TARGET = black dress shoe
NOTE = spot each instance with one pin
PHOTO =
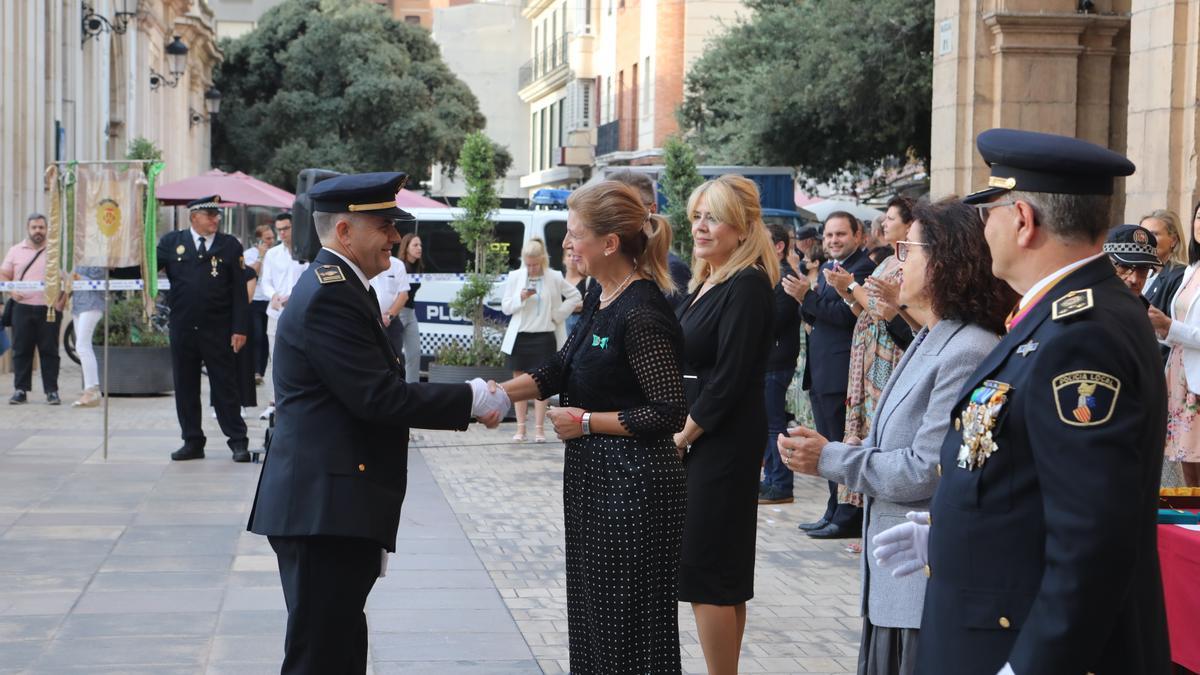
(835, 531)
(53, 399)
(18, 398)
(188, 452)
(241, 455)
(809, 527)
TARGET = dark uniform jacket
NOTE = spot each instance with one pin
(1045, 556)
(338, 462)
(208, 293)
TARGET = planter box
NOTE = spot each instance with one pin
(459, 374)
(137, 370)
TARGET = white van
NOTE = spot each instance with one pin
(446, 260)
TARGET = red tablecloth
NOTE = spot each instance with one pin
(1179, 555)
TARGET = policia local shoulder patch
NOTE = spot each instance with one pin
(1085, 398)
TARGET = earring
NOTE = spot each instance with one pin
(606, 253)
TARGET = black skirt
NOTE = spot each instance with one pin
(531, 350)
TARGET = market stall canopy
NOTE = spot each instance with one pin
(233, 188)
(407, 199)
(821, 209)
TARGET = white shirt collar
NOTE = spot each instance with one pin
(1062, 271)
(357, 272)
(208, 239)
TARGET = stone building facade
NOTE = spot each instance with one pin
(73, 94)
(1124, 74)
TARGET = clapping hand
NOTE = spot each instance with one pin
(886, 297)
(568, 422)
(797, 287)
(839, 278)
(1160, 321)
(904, 546)
(488, 403)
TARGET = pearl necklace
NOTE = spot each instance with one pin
(620, 287)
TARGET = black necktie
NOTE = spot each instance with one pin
(203, 250)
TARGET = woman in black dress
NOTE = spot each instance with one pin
(727, 325)
(619, 376)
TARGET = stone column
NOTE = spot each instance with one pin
(1164, 109)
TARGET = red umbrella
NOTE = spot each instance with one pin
(407, 199)
(233, 188)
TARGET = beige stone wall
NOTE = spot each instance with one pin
(1164, 110)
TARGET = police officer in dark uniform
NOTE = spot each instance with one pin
(332, 485)
(208, 322)
(1041, 540)
(1133, 251)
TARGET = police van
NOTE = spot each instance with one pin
(446, 264)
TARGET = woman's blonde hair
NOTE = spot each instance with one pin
(610, 207)
(733, 200)
(536, 248)
(1171, 220)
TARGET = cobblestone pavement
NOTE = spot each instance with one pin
(135, 564)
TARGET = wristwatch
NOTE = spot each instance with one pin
(853, 285)
(587, 424)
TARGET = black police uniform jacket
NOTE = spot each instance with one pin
(208, 293)
(338, 461)
(1046, 556)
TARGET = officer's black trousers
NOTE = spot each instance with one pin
(326, 581)
(190, 348)
(32, 331)
(258, 320)
(829, 413)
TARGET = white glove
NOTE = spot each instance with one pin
(905, 546)
(484, 402)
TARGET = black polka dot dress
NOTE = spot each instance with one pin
(624, 497)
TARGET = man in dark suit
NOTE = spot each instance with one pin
(1042, 551)
(208, 324)
(332, 485)
(827, 365)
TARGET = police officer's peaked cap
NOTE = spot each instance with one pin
(370, 193)
(1035, 162)
(209, 203)
(1132, 246)
(806, 232)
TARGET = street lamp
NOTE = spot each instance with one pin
(212, 103)
(176, 62)
(94, 24)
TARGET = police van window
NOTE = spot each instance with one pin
(445, 254)
(510, 237)
(555, 231)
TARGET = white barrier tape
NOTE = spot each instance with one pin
(84, 285)
(421, 278)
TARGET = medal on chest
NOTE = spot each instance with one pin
(214, 267)
(978, 420)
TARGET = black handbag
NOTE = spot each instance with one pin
(6, 319)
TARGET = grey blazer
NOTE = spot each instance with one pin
(896, 467)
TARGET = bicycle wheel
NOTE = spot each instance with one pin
(69, 342)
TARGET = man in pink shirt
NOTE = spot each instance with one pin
(31, 330)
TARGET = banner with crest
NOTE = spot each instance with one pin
(108, 215)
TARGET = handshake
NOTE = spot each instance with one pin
(489, 402)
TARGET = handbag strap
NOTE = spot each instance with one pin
(31, 261)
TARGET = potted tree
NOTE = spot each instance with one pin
(457, 361)
(139, 353)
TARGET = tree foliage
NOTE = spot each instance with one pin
(821, 85)
(340, 85)
(477, 232)
(680, 177)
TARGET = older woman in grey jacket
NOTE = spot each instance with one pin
(948, 287)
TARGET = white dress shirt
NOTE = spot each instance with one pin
(250, 256)
(390, 283)
(196, 237)
(279, 274)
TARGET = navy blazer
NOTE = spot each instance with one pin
(827, 366)
(338, 462)
(208, 292)
(1045, 556)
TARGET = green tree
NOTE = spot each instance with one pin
(340, 85)
(477, 232)
(821, 85)
(680, 177)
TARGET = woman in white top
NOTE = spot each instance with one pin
(539, 300)
(391, 290)
(1181, 331)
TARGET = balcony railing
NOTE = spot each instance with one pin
(608, 138)
(549, 58)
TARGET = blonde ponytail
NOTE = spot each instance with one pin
(612, 207)
(654, 263)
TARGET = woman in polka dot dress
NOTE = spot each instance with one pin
(620, 380)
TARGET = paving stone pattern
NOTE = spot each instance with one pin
(135, 564)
